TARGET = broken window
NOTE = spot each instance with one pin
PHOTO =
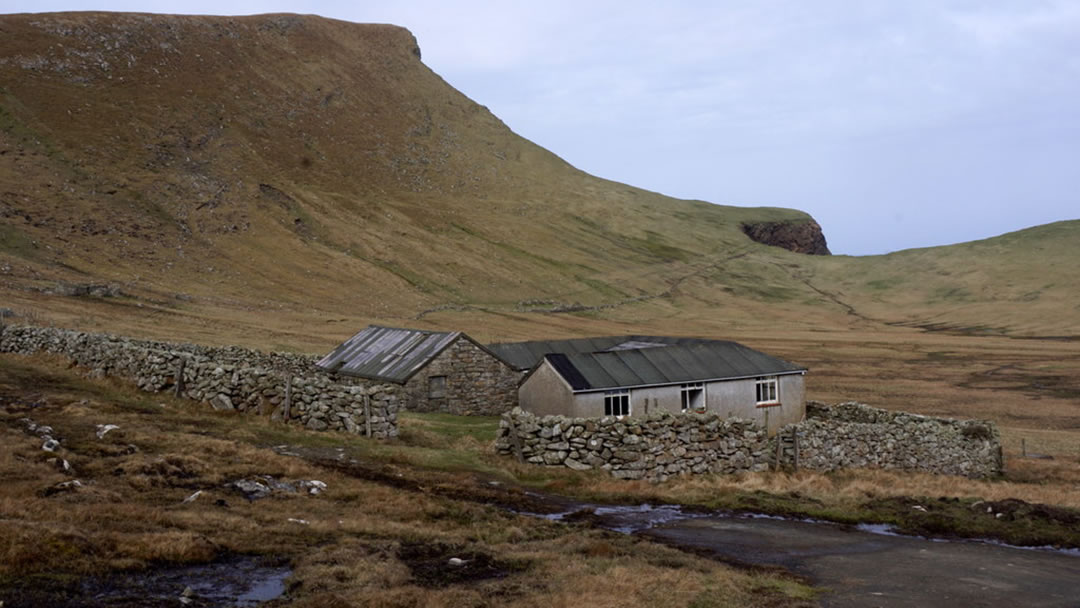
(693, 397)
(617, 403)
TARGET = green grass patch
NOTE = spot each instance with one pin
(884, 284)
(950, 294)
(451, 427)
(16, 242)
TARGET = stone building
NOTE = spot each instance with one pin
(642, 375)
(439, 371)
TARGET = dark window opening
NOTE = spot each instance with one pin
(436, 386)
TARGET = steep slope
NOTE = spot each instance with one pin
(277, 180)
(304, 160)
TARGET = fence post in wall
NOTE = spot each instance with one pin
(288, 400)
(515, 441)
(179, 386)
(795, 445)
(367, 412)
(779, 451)
(1023, 447)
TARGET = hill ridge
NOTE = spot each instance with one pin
(222, 169)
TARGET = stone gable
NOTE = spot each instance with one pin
(475, 382)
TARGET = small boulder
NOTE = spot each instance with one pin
(222, 403)
(103, 429)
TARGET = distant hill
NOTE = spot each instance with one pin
(280, 179)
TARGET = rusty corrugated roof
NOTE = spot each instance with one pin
(388, 354)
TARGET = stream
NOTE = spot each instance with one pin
(864, 566)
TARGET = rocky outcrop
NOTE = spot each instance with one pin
(800, 237)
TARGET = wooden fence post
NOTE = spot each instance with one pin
(515, 441)
(288, 400)
(795, 439)
(179, 386)
(779, 451)
(367, 412)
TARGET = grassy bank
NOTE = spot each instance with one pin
(382, 533)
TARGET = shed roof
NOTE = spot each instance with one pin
(699, 361)
(389, 354)
(524, 355)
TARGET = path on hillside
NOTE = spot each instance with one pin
(867, 569)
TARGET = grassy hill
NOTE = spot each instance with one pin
(280, 180)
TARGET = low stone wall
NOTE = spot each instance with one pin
(226, 378)
(654, 447)
(848, 435)
(853, 435)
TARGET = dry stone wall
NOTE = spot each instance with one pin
(853, 435)
(232, 378)
(653, 447)
(848, 435)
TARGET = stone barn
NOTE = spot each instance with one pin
(439, 371)
(639, 375)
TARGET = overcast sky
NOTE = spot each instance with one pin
(896, 124)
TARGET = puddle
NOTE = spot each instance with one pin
(238, 582)
(625, 519)
(638, 518)
(436, 565)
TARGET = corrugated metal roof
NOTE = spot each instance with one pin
(388, 354)
(524, 355)
(697, 361)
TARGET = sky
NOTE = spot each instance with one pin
(895, 124)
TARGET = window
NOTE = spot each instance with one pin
(617, 403)
(767, 393)
(693, 397)
(436, 386)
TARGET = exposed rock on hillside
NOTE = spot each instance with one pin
(800, 237)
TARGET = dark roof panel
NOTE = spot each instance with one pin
(388, 354)
(691, 361)
(569, 373)
(524, 355)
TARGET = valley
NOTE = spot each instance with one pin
(280, 181)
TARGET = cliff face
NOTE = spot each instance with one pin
(800, 237)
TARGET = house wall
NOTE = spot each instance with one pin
(545, 393)
(738, 399)
(477, 383)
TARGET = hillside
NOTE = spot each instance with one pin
(279, 180)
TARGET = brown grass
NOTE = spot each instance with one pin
(129, 515)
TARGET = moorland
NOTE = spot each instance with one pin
(280, 181)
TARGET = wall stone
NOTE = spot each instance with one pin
(651, 447)
(853, 435)
(230, 379)
(477, 383)
(848, 435)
